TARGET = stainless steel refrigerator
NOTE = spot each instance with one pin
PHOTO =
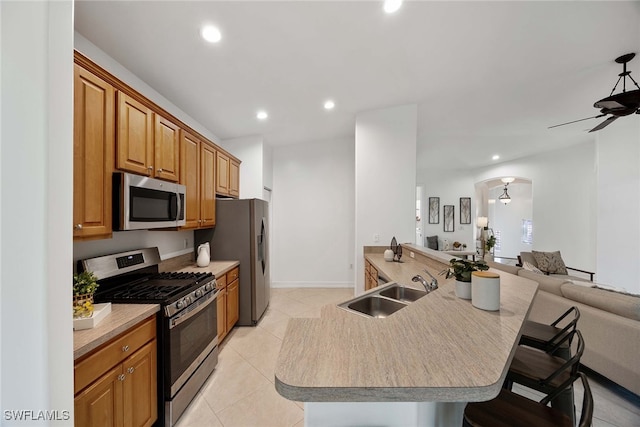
(241, 234)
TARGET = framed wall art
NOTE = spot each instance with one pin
(465, 210)
(449, 217)
(434, 210)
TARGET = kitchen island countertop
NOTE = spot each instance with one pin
(439, 348)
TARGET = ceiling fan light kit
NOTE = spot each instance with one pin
(618, 105)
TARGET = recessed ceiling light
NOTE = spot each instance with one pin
(329, 104)
(391, 6)
(211, 34)
(262, 115)
(495, 157)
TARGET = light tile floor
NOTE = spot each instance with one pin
(240, 392)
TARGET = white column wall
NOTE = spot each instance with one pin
(385, 179)
(618, 227)
(312, 222)
(36, 152)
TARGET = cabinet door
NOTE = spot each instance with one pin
(207, 185)
(190, 177)
(232, 304)
(222, 314)
(140, 407)
(234, 178)
(135, 136)
(222, 173)
(100, 405)
(167, 149)
(93, 146)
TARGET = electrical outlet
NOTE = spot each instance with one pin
(376, 237)
(412, 255)
(186, 243)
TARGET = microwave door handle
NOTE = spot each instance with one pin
(178, 206)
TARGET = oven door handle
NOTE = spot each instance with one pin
(175, 322)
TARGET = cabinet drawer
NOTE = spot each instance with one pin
(96, 364)
(232, 275)
(221, 282)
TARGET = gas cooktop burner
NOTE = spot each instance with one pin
(157, 288)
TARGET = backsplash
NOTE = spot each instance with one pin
(171, 244)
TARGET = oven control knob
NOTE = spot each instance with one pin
(180, 304)
(198, 293)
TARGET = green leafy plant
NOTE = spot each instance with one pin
(491, 242)
(462, 268)
(84, 283)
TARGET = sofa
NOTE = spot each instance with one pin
(609, 322)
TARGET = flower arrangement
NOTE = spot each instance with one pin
(84, 286)
(462, 268)
(491, 242)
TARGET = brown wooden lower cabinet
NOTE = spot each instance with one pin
(228, 302)
(370, 276)
(124, 394)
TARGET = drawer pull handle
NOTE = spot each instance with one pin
(131, 369)
(121, 377)
(125, 348)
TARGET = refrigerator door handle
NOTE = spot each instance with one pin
(261, 245)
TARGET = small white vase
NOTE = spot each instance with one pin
(388, 255)
(463, 289)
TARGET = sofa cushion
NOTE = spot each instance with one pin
(432, 242)
(511, 269)
(528, 257)
(528, 266)
(550, 262)
(546, 283)
(614, 302)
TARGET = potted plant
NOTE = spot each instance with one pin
(84, 286)
(461, 269)
(491, 242)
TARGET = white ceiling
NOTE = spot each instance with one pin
(489, 77)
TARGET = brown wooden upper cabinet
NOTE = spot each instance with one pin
(197, 172)
(93, 147)
(227, 175)
(147, 143)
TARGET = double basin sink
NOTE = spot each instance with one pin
(383, 301)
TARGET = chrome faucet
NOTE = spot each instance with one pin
(427, 286)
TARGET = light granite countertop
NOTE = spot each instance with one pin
(439, 348)
(121, 318)
(218, 268)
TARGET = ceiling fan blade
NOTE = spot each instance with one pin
(610, 105)
(576, 121)
(604, 124)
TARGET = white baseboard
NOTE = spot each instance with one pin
(312, 284)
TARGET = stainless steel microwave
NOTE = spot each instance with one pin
(141, 203)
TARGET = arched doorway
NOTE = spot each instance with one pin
(510, 223)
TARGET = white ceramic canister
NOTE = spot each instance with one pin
(485, 290)
(388, 255)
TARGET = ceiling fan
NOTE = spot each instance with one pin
(618, 105)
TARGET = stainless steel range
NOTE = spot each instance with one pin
(187, 326)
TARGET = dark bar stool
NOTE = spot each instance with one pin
(512, 410)
(545, 337)
(547, 372)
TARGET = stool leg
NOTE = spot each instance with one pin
(564, 403)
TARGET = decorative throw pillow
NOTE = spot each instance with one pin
(432, 242)
(550, 262)
(528, 266)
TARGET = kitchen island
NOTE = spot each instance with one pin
(437, 349)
